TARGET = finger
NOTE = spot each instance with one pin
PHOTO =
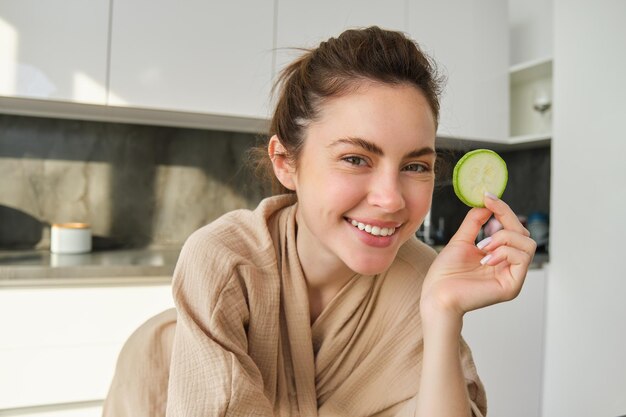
(508, 238)
(517, 260)
(474, 220)
(504, 214)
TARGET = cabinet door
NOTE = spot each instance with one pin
(60, 345)
(54, 49)
(469, 41)
(303, 23)
(196, 56)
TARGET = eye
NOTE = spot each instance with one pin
(415, 167)
(355, 160)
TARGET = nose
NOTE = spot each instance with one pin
(386, 192)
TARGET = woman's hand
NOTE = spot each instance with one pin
(466, 276)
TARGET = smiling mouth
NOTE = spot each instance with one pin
(373, 230)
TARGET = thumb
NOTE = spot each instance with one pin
(474, 220)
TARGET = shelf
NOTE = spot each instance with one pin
(531, 141)
(530, 138)
(511, 143)
(523, 66)
(532, 70)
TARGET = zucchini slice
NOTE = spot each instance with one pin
(477, 172)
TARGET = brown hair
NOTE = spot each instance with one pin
(336, 67)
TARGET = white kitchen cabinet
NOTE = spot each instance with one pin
(302, 23)
(469, 41)
(210, 57)
(531, 101)
(212, 64)
(59, 345)
(531, 30)
(507, 342)
(55, 50)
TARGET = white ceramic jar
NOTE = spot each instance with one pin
(68, 238)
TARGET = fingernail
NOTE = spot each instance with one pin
(486, 259)
(484, 242)
(491, 196)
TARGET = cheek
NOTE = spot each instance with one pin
(334, 187)
(419, 199)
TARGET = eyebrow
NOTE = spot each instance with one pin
(375, 149)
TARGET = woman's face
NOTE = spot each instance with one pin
(365, 177)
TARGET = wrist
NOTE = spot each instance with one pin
(440, 319)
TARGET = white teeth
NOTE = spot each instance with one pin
(374, 230)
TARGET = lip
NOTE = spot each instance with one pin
(371, 240)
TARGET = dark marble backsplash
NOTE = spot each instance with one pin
(152, 186)
(136, 185)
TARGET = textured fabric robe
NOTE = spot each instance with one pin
(244, 344)
(139, 385)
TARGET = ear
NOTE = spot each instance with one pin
(283, 169)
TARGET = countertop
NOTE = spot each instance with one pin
(30, 268)
(42, 268)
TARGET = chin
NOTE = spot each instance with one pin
(370, 266)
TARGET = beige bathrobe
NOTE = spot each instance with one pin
(244, 344)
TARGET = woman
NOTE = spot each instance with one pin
(321, 301)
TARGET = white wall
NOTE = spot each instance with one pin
(530, 30)
(585, 373)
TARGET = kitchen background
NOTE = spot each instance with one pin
(151, 186)
(139, 126)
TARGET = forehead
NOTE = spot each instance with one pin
(385, 114)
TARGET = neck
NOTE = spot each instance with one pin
(325, 275)
(323, 287)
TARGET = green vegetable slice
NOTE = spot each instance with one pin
(477, 172)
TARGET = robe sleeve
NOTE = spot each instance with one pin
(211, 372)
(475, 387)
(139, 386)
